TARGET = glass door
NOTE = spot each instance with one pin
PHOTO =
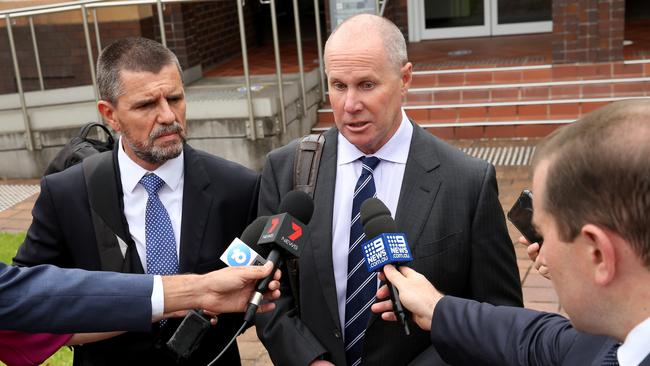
(521, 16)
(438, 19)
(455, 18)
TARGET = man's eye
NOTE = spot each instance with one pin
(144, 106)
(338, 86)
(367, 85)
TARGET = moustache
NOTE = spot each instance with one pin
(161, 130)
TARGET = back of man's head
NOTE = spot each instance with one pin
(599, 173)
(132, 54)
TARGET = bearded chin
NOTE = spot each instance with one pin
(156, 154)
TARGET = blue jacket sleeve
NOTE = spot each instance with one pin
(466, 332)
(49, 299)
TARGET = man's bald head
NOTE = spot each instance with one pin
(370, 30)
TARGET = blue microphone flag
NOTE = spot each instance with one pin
(386, 249)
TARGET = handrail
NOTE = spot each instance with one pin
(29, 139)
(278, 66)
(84, 5)
(247, 77)
(319, 42)
(301, 68)
(48, 6)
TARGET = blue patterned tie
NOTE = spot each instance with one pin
(159, 234)
(610, 358)
(362, 286)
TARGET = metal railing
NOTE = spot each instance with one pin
(92, 5)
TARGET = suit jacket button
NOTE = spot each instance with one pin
(337, 333)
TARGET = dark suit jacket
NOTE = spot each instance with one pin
(219, 199)
(48, 299)
(467, 332)
(448, 208)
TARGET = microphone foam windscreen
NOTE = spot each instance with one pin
(379, 225)
(252, 234)
(299, 205)
(371, 208)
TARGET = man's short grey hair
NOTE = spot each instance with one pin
(392, 37)
(133, 54)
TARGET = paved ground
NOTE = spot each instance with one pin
(538, 292)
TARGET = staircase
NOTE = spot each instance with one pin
(515, 101)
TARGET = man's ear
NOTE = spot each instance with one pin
(406, 74)
(107, 110)
(601, 249)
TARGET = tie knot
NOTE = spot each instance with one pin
(152, 183)
(369, 163)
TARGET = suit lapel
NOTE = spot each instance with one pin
(196, 208)
(419, 189)
(321, 223)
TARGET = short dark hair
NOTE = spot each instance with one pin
(599, 173)
(132, 54)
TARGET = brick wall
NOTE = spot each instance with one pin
(63, 56)
(588, 30)
(205, 33)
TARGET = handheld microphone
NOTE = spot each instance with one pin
(189, 333)
(245, 251)
(285, 233)
(386, 245)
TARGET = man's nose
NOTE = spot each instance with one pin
(352, 102)
(166, 114)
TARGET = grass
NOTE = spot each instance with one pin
(9, 243)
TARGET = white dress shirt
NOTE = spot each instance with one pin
(388, 178)
(636, 346)
(135, 203)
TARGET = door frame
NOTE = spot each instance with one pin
(490, 26)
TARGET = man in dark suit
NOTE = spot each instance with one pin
(153, 205)
(592, 197)
(46, 298)
(445, 201)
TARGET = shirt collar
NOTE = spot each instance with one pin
(635, 348)
(396, 150)
(130, 172)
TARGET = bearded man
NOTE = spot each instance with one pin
(153, 205)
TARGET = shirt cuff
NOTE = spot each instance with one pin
(157, 299)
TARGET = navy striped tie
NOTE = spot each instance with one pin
(362, 286)
(610, 358)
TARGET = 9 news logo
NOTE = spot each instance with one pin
(238, 255)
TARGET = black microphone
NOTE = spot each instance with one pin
(384, 245)
(284, 234)
(189, 333)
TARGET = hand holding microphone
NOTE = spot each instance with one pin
(284, 235)
(384, 246)
(416, 293)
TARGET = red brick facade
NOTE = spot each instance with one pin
(203, 33)
(588, 30)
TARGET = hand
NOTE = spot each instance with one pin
(533, 253)
(416, 293)
(224, 291)
(229, 289)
